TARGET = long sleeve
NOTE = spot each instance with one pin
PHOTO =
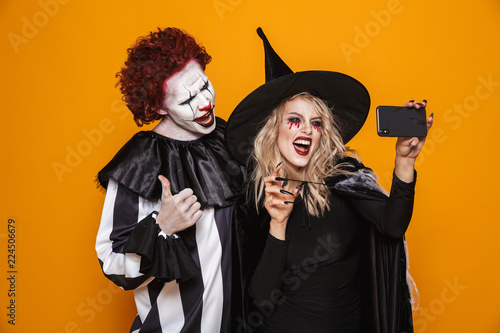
(120, 216)
(392, 215)
(129, 245)
(267, 279)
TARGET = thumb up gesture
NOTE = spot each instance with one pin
(177, 212)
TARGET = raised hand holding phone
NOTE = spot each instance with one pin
(408, 147)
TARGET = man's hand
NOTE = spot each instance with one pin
(177, 212)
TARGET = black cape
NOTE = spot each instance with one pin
(385, 295)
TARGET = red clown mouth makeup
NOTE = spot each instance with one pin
(302, 145)
(208, 118)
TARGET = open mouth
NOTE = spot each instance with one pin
(207, 119)
(302, 145)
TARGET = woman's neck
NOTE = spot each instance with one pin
(294, 174)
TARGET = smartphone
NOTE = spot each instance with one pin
(400, 121)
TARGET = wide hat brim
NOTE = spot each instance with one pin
(347, 97)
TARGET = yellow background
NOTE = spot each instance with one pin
(62, 120)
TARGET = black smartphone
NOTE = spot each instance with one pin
(400, 121)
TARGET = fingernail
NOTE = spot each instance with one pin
(425, 101)
(299, 187)
(412, 101)
(285, 192)
(288, 202)
(432, 115)
(279, 164)
(280, 179)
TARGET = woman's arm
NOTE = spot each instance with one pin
(392, 216)
(408, 149)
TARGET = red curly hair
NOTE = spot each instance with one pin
(151, 61)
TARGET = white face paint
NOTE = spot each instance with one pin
(188, 107)
(299, 133)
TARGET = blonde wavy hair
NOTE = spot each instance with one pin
(323, 162)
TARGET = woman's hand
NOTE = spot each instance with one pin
(408, 149)
(278, 203)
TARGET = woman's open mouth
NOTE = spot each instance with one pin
(302, 145)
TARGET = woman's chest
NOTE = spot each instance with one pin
(331, 237)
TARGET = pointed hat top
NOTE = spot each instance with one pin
(275, 67)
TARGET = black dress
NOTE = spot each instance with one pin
(312, 281)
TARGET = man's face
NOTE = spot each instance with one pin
(189, 103)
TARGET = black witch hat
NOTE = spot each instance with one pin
(348, 99)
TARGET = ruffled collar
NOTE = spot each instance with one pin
(204, 165)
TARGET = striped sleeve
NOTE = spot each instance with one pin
(121, 212)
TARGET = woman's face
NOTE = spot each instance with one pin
(299, 133)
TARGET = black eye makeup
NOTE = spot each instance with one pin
(205, 86)
(293, 121)
(187, 101)
(317, 125)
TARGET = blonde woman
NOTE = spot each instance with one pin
(320, 245)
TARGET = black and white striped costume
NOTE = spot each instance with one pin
(181, 283)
